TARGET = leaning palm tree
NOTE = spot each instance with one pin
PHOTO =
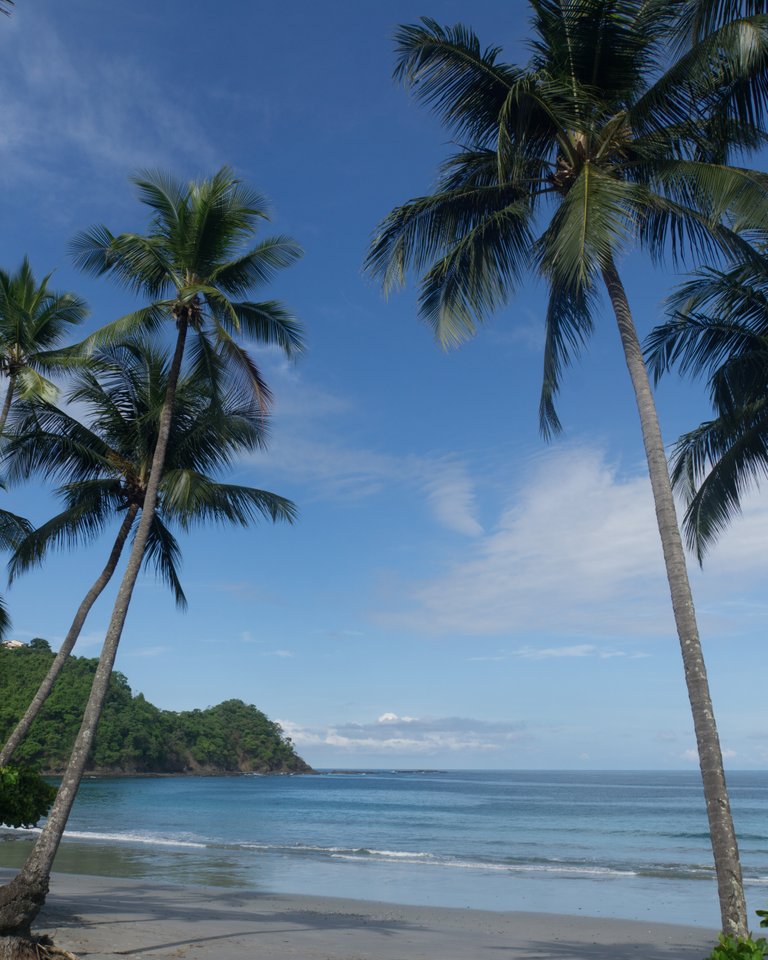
(602, 140)
(33, 321)
(104, 464)
(193, 265)
(719, 329)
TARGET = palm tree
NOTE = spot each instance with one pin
(105, 468)
(33, 321)
(719, 329)
(602, 139)
(191, 264)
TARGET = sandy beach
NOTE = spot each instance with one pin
(98, 918)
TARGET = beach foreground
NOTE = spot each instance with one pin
(98, 917)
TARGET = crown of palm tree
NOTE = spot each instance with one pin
(196, 266)
(103, 461)
(33, 321)
(719, 329)
(565, 161)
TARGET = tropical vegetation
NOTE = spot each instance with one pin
(103, 465)
(626, 129)
(133, 735)
(34, 320)
(719, 330)
(619, 131)
(194, 265)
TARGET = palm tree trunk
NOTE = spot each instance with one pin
(7, 402)
(724, 845)
(22, 899)
(22, 728)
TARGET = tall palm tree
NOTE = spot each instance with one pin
(191, 265)
(603, 139)
(719, 329)
(33, 321)
(105, 466)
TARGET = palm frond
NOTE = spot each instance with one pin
(594, 44)
(716, 316)
(164, 195)
(447, 69)
(89, 509)
(568, 326)
(726, 70)
(146, 320)
(243, 368)
(257, 267)
(31, 385)
(714, 466)
(13, 529)
(588, 229)
(690, 21)
(191, 498)
(163, 553)
(413, 235)
(268, 322)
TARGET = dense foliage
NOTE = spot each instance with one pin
(24, 796)
(134, 736)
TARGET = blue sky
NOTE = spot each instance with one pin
(457, 593)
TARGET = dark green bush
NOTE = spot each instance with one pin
(24, 796)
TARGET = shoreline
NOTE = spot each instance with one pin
(100, 918)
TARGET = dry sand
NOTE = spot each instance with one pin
(100, 917)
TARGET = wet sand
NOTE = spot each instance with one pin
(99, 918)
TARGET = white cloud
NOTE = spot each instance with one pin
(451, 495)
(391, 734)
(555, 653)
(110, 113)
(333, 469)
(155, 651)
(576, 553)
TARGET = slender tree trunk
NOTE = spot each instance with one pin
(7, 402)
(724, 845)
(22, 899)
(22, 728)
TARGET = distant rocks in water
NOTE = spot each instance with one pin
(134, 736)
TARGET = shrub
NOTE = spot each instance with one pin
(24, 796)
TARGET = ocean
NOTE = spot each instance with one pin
(608, 844)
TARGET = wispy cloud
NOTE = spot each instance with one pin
(393, 734)
(451, 495)
(306, 446)
(112, 114)
(156, 651)
(556, 653)
(575, 553)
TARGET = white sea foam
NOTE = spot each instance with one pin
(140, 838)
(429, 860)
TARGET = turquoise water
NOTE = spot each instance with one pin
(631, 845)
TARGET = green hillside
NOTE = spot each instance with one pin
(134, 736)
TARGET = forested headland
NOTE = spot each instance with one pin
(133, 735)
